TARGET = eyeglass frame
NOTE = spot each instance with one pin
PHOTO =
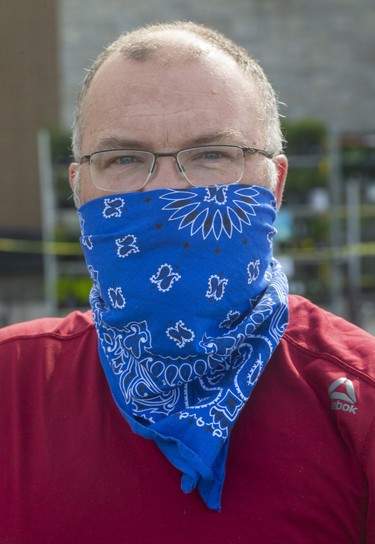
(251, 150)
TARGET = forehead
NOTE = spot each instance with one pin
(200, 90)
(209, 66)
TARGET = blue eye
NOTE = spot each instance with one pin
(126, 159)
(116, 159)
(212, 155)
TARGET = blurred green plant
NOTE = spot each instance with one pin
(306, 146)
(73, 291)
(304, 136)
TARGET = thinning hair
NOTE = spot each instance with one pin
(153, 41)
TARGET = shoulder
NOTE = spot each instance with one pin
(319, 334)
(33, 351)
(75, 324)
(333, 362)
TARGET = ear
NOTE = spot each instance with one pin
(73, 168)
(282, 170)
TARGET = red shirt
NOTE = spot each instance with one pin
(301, 464)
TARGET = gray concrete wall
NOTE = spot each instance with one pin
(319, 54)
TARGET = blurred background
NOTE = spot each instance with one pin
(318, 55)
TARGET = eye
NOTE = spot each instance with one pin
(213, 155)
(125, 159)
(210, 155)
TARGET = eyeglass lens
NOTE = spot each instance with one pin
(129, 170)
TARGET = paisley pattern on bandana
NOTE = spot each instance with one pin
(189, 305)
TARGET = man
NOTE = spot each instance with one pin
(193, 370)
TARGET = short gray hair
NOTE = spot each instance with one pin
(147, 42)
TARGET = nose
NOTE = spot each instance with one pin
(166, 175)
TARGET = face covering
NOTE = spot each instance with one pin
(189, 305)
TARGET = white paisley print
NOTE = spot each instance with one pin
(189, 305)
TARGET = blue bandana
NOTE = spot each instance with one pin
(189, 305)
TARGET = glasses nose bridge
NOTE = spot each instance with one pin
(165, 155)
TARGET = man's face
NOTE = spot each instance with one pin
(160, 107)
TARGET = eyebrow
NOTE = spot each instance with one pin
(220, 136)
(114, 142)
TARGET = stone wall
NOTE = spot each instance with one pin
(318, 54)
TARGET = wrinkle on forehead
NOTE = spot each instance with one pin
(179, 55)
(126, 92)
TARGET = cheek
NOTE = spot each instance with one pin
(83, 189)
(262, 172)
(254, 171)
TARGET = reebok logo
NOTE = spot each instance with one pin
(342, 395)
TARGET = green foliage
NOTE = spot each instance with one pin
(61, 158)
(73, 291)
(60, 144)
(308, 164)
(301, 181)
(304, 136)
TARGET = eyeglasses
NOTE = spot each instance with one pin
(128, 170)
